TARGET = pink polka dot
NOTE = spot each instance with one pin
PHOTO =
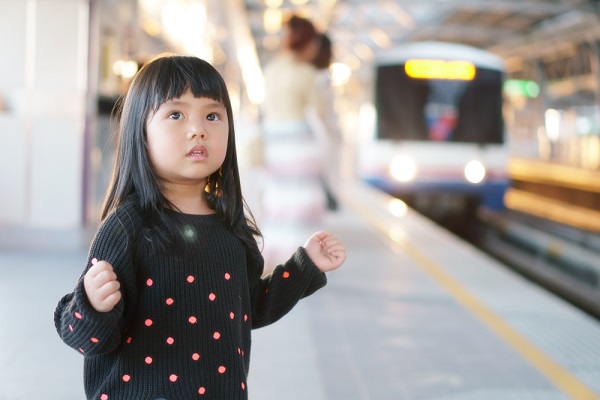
(126, 378)
(239, 351)
(286, 274)
(243, 386)
(94, 340)
(81, 350)
(70, 328)
(222, 369)
(231, 315)
(216, 335)
(129, 340)
(195, 356)
(201, 390)
(104, 396)
(190, 279)
(212, 297)
(173, 377)
(94, 260)
(149, 282)
(148, 360)
(77, 315)
(245, 317)
(169, 301)
(170, 340)
(193, 320)
(148, 322)
(227, 276)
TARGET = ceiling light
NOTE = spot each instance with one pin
(273, 3)
(272, 19)
(380, 38)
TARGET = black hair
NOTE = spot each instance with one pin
(324, 56)
(301, 32)
(164, 78)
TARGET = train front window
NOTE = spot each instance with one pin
(468, 111)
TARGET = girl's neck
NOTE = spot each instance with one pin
(188, 199)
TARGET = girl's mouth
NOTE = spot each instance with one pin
(197, 152)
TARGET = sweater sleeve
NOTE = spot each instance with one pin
(276, 294)
(78, 324)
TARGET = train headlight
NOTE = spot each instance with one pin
(474, 171)
(403, 169)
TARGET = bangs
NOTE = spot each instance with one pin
(179, 74)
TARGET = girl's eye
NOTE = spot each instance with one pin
(175, 115)
(213, 117)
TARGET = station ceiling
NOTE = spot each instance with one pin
(359, 28)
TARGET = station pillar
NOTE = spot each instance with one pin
(43, 85)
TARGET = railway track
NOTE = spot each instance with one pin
(560, 258)
(556, 256)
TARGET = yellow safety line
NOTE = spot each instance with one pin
(563, 379)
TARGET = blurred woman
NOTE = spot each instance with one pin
(320, 54)
(293, 198)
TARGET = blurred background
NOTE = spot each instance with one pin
(66, 62)
(481, 116)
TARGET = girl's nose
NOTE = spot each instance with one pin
(196, 130)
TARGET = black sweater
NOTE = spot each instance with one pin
(182, 328)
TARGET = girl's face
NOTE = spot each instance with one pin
(187, 139)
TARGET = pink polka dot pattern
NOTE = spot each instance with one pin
(94, 261)
(70, 328)
(190, 279)
(243, 386)
(195, 356)
(245, 317)
(173, 378)
(227, 276)
(193, 320)
(148, 360)
(104, 396)
(222, 369)
(126, 378)
(286, 274)
(202, 390)
(129, 339)
(94, 340)
(148, 322)
(231, 315)
(212, 297)
(170, 301)
(216, 335)
(149, 282)
(170, 340)
(77, 315)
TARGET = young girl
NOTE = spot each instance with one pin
(172, 285)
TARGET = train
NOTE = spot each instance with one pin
(433, 132)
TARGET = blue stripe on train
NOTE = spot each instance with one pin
(490, 193)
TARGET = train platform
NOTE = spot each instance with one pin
(415, 314)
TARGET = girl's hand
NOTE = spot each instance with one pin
(326, 251)
(101, 286)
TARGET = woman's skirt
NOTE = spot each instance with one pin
(293, 202)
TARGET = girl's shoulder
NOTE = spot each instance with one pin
(119, 230)
(124, 217)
